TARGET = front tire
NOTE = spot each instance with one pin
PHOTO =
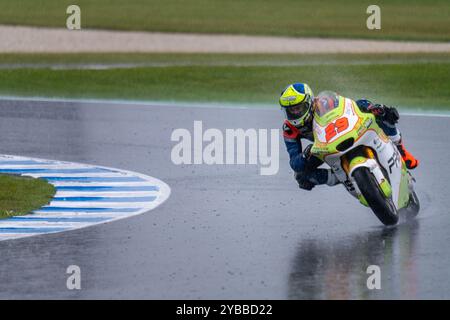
(383, 207)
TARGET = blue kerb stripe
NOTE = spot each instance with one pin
(84, 170)
(106, 199)
(94, 179)
(107, 188)
(30, 230)
(68, 209)
(60, 219)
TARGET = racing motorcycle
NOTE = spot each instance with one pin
(362, 157)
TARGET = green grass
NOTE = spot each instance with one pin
(402, 82)
(21, 195)
(401, 19)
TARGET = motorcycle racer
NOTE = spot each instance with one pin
(297, 102)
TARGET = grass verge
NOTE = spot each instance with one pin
(21, 195)
(402, 80)
(400, 19)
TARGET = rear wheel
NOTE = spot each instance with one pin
(383, 207)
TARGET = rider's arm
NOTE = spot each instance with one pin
(382, 112)
(387, 117)
(291, 137)
(299, 162)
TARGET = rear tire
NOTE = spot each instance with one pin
(383, 207)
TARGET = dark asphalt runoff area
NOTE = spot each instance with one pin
(226, 232)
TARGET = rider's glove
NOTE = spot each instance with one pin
(306, 154)
(391, 115)
(377, 110)
(302, 178)
(386, 113)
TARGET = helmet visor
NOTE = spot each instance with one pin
(298, 111)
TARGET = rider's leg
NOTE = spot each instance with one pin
(323, 176)
(394, 134)
(313, 175)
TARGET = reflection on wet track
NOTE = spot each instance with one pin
(337, 270)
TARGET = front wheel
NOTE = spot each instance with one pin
(383, 207)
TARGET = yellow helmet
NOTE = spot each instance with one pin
(296, 101)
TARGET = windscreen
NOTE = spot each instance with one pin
(325, 102)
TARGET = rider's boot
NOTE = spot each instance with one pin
(410, 161)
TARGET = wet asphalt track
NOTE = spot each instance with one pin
(226, 232)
